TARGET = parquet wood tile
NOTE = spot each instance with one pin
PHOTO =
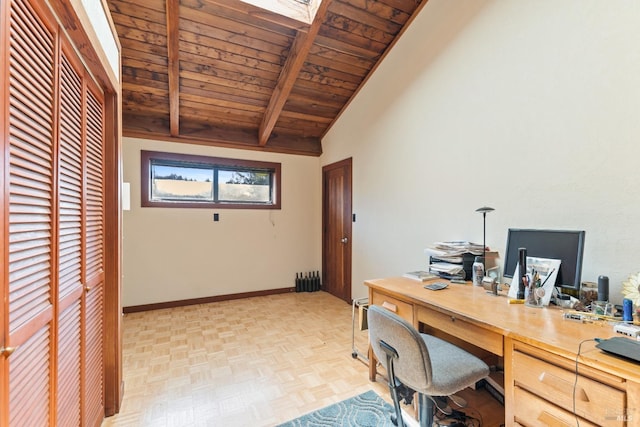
(250, 362)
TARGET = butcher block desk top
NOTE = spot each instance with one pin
(543, 328)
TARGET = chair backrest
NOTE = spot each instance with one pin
(413, 366)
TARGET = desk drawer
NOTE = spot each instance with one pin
(533, 411)
(594, 401)
(460, 328)
(399, 307)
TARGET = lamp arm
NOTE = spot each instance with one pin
(484, 242)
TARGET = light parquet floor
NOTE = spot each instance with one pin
(250, 362)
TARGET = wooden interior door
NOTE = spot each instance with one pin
(53, 226)
(336, 229)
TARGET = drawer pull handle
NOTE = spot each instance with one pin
(389, 306)
(562, 386)
(552, 421)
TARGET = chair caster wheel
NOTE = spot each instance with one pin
(354, 355)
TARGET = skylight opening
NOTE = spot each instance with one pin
(300, 10)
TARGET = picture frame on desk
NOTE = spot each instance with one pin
(548, 270)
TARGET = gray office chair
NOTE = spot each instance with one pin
(430, 366)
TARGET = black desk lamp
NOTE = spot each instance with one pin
(484, 211)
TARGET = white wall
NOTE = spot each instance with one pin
(174, 254)
(532, 108)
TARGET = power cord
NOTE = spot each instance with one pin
(452, 417)
(575, 383)
(438, 401)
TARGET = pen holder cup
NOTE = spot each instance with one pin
(602, 308)
(534, 296)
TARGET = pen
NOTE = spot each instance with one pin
(547, 278)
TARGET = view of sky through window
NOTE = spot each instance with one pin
(175, 180)
(300, 10)
(181, 173)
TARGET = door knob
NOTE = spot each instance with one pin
(344, 240)
(6, 351)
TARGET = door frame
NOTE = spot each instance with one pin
(347, 197)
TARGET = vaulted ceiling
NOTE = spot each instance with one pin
(228, 73)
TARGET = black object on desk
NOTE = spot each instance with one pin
(436, 286)
(603, 288)
(621, 346)
(522, 252)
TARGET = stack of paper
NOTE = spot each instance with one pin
(447, 268)
(454, 248)
(420, 275)
(455, 258)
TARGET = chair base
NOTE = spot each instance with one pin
(425, 410)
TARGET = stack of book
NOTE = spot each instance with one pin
(454, 260)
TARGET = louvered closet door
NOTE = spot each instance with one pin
(31, 217)
(94, 257)
(70, 199)
(54, 265)
(80, 399)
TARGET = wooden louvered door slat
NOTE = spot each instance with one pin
(31, 226)
(53, 226)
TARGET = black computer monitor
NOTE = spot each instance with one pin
(565, 245)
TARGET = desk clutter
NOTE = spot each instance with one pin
(537, 282)
(545, 353)
(455, 259)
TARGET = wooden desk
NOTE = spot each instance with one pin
(538, 348)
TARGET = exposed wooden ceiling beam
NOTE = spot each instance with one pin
(293, 64)
(173, 47)
(152, 127)
(208, 69)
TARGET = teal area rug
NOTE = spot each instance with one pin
(365, 410)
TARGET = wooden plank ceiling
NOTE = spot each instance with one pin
(226, 73)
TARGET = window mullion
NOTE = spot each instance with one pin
(215, 184)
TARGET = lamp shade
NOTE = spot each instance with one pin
(485, 209)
